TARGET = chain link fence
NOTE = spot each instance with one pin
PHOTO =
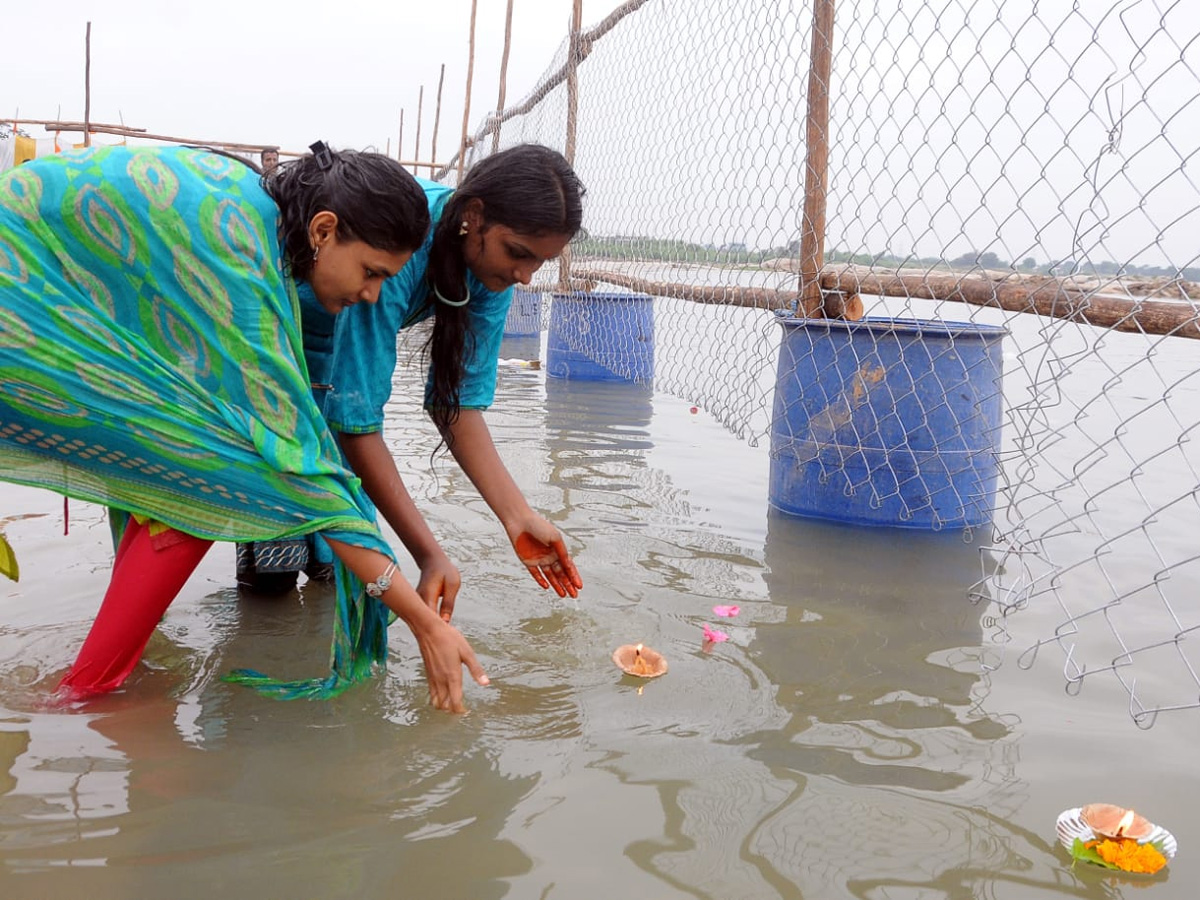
(1003, 215)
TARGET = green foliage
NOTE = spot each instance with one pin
(628, 247)
(8, 560)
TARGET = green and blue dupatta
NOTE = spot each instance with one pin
(151, 360)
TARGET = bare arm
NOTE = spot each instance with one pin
(372, 461)
(443, 649)
(538, 544)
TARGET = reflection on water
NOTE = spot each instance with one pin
(843, 743)
(886, 745)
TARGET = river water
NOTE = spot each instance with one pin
(851, 739)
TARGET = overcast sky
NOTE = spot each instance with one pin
(1019, 127)
(285, 73)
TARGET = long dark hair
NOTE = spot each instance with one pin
(375, 199)
(529, 188)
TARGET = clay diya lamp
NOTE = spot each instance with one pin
(639, 660)
(1115, 822)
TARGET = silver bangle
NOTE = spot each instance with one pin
(377, 587)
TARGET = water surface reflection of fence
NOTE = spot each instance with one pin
(998, 162)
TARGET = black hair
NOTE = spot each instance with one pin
(374, 198)
(529, 188)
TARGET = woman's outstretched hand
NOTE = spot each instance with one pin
(443, 648)
(540, 547)
(445, 651)
(439, 584)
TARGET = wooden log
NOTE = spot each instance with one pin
(728, 295)
(816, 164)
(1048, 297)
(837, 305)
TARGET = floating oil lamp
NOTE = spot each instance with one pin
(1112, 821)
(639, 660)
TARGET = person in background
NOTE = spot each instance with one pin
(268, 159)
(513, 211)
(151, 361)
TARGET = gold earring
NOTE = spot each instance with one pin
(462, 229)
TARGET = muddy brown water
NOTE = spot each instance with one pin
(846, 742)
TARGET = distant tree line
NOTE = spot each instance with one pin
(620, 247)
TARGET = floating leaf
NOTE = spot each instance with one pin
(8, 560)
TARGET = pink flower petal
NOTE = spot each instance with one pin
(711, 634)
(727, 612)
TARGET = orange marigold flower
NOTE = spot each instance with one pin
(1128, 855)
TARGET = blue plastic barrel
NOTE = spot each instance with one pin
(890, 422)
(601, 337)
(524, 314)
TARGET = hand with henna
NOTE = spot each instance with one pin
(541, 549)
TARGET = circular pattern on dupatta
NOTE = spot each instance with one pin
(154, 178)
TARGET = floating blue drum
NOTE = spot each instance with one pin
(524, 314)
(601, 337)
(890, 422)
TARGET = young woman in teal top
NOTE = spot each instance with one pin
(513, 212)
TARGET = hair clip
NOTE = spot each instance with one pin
(323, 155)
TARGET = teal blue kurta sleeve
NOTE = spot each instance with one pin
(360, 360)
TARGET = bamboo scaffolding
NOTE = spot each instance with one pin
(816, 164)
(1045, 296)
(586, 40)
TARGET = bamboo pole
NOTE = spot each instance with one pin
(437, 115)
(87, 86)
(503, 73)
(462, 146)
(816, 166)
(1050, 297)
(573, 80)
(573, 58)
(142, 133)
(586, 43)
(400, 138)
(420, 106)
(48, 122)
